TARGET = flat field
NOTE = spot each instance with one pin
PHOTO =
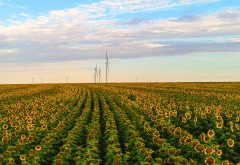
(132, 123)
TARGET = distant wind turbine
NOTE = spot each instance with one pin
(107, 67)
(67, 79)
(95, 74)
(99, 75)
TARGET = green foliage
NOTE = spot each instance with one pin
(169, 123)
(132, 97)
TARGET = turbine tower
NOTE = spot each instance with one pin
(67, 78)
(107, 67)
(95, 74)
(99, 75)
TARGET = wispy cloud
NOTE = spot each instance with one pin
(126, 6)
(25, 15)
(16, 6)
(11, 5)
(7, 52)
(85, 33)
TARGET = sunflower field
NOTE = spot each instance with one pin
(120, 124)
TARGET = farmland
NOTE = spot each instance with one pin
(132, 123)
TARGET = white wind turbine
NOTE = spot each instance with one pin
(107, 67)
(95, 74)
(99, 75)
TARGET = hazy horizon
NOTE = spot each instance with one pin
(147, 41)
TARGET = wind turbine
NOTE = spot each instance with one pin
(99, 75)
(95, 74)
(107, 67)
(67, 79)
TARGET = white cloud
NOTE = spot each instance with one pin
(16, 6)
(129, 6)
(6, 52)
(25, 15)
(76, 33)
(153, 45)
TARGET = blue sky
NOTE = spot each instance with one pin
(166, 40)
(34, 9)
(10, 8)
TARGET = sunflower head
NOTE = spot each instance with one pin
(38, 147)
(237, 119)
(5, 126)
(172, 151)
(230, 142)
(219, 152)
(209, 150)
(202, 136)
(188, 140)
(188, 116)
(11, 161)
(225, 162)
(159, 160)
(156, 133)
(23, 136)
(203, 116)
(184, 120)
(219, 125)
(177, 131)
(44, 127)
(199, 148)
(182, 140)
(10, 149)
(195, 143)
(171, 160)
(22, 157)
(210, 133)
(210, 160)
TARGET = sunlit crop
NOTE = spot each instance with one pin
(144, 123)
